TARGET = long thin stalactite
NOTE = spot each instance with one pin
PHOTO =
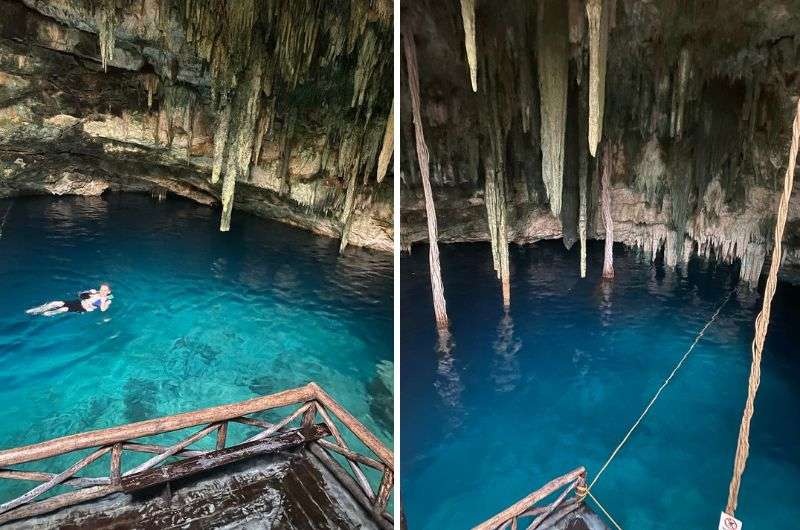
(439, 305)
(598, 53)
(553, 63)
(468, 18)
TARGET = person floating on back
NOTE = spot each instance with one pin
(87, 301)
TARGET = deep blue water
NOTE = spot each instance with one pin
(523, 398)
(199, 318)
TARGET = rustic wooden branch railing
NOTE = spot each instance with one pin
(323, 440)
(549, 513)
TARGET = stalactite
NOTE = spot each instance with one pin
(286, 155)
(553, 61)
(495, 178)
(388, 146)
(106, 19)
(468, 17)
(496, 212)
(347, 210)
(151, 85)
(679, 94)
(439, 305)
(188, 126)
(583, 170)
(246, 108)
(608, 221)
(263, 128)
(598, 51)
(220, 142)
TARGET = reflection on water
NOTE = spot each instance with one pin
(523, 400)
(606, 288)
(448, 381)
(505, 366)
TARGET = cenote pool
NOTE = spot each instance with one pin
(199, 317)
(523, 398)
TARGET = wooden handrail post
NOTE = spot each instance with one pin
(385, 489)
(222, 434)
(116, 463)
(310, 415)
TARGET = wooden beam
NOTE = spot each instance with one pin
(355, 426)
(57, 502)
(349, 483)
(140, 429)
(158, 449)
(213, 459)
(280, 425)
(183, 444)
(384, 491)
(53, 482)
(39, 476)
(352, 455)
(362, 478)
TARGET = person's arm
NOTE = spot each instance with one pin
(104, 305)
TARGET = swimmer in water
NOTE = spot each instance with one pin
(88, 301)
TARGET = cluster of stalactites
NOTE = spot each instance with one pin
(598, 15)
(287, 39)
(553, 62)
(177, 105)
(222, 34)
(106, 19)
(368, 72)
(468, 18)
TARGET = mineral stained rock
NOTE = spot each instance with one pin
(245, 104)
(695, 102)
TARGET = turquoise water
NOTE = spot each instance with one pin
(199, 317)
(523, 398)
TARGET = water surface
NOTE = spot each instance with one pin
(199, 318)
(519, 399)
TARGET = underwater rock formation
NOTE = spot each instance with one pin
(273, 106)
(694, 102)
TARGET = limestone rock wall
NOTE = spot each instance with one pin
(113, 95)
(698, 103)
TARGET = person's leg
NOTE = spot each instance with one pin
(49, 306)
(62, 309)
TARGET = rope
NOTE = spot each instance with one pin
(762, 323)
(660, 389)
(603, 509)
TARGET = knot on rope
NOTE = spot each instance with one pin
(581, 491)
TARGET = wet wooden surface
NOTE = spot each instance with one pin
(288, 490)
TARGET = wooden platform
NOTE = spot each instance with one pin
(289, 490)
(292, 473)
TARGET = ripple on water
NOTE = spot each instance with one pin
(199, 317)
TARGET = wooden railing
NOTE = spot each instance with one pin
(549, 513)
(323, 439)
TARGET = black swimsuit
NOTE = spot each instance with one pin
(74, 306)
